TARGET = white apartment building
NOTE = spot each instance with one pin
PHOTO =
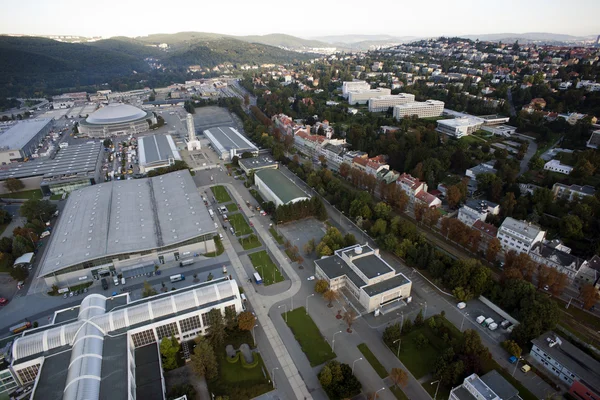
(363, 96)
(519, 236)
(557, 166)
(459, 127)
(383, 103)
(426, 109)
(475, 210)
(354, 85)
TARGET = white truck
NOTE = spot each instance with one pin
(211, 213)
(493, 326)
(189, 261)
(488, 322)
(480, 319)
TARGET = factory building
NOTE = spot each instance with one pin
(22, 139)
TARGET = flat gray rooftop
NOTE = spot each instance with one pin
(53, 377)
(157, 148)
(500, 385)
(334, 267)
(384, 286)
(225, 138)
(113, 384)
(126, 216)
(75, 159)
(370, 265)
(18, 135)
(257, 162)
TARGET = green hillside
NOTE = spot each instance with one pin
(279, 39)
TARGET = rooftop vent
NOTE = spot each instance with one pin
(358, 250)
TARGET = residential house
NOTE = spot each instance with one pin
(480, 169)
(557, 166)
(477, 210)
(411, 185)
(519, 236)
(557, 256)
(572, 192)
(428, 199)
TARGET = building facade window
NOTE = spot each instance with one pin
(28, 374)
(190, 324)
(143, 338)
(167, 330)
(205, 319)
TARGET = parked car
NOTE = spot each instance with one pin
(461, 305)
(512, 359)
(104, 284)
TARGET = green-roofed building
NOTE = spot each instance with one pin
(274, 186)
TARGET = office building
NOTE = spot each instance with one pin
(276, 187)
(361, 271)
(363, 96)
(500, 130)
(108, 348)
(72, 168)
(21, 140)
(127, 227)
(384, 103)
(572, 192)
(228, 142)
(249, 165)
(156, 151)
(579, 371)
(354, 85)
(459, 127)
(116, 119)
(557, 166)
(519, 236)
(491, 386)
(426, 109)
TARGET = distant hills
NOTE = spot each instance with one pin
(35, 64)
(529, 37)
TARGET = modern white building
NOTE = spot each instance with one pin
(459, 127)
(354, 85)
(117, 119)
(426, 109)
(491, 386)
(383, 103)
(361, 271)
(156, 151)
(363, 96)
(519, 236)
(557, 166)
(108, 348)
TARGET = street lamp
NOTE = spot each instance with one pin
(273, 376)
(463, 321)
(425, 313)
(358, 359)
(333, 340)
(375, 397)
(253, 336)
(402, 321)
(310, 295)
(399, 344)
(436, 389)
(284, 310)
(516, 365)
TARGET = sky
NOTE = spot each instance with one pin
(307, 18)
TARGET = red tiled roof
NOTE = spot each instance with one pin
(425, 197)
(409, 180)
(487, 229)
(360, 161)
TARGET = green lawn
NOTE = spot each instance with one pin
(232, 207)
(266, 268)
(309, 337)
(277, 237)
(220, 194)
(56, 197)
(250, 242)
(370, 357)
(26, 194)
(472, 140)
(398, 393)
(238, 382)
(220, 248)
(239, 224)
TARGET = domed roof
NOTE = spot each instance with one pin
(114, 114)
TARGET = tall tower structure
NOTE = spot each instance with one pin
(193, 142)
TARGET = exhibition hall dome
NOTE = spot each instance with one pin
(116, 113)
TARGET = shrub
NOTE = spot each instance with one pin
(233, 360)
(249, 365)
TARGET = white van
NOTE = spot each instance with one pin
(122, 281)
(116, 280)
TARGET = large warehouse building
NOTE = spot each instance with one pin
(228, 142)
(117, 119)
(276, 187)
(157, 152)
(127, 227)
(71, 168)
(362, 272)
(108, 348)
(22, 139)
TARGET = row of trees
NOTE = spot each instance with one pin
(301, 209)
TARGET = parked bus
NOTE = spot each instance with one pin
(177, 278)
(257, 278)
(20, 327)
